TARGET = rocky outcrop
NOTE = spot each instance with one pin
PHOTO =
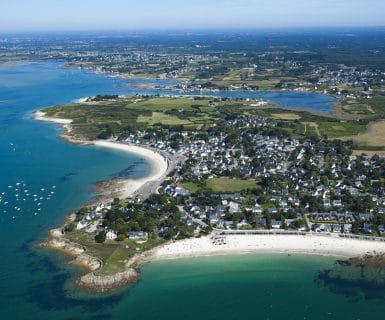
(64, 246)
(102, 283)
(369, 260)
(363, 275)
(57, 242)
(87, 261)
(96, 280)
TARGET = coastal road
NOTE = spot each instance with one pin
(151, 187)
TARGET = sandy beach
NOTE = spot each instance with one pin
(40, 116)
(289, 244)
(123, 188)
(159, 166)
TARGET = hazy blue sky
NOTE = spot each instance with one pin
(31, 15)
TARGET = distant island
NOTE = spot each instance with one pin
(228, 176)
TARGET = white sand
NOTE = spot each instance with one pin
(39, 115)
(242, 244)
(81, 100)
(158, 163)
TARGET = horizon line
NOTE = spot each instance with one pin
(209, 29)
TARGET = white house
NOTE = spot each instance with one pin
(81, 224)
(234, 207)
(111, 235)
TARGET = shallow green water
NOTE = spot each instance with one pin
(232, 287)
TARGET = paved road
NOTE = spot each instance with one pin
(195, 220)
(151, 187)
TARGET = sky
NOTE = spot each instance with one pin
(72, 15)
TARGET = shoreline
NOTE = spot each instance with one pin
(203, 247)
(159, 166)
(308, 244)
(160, 163)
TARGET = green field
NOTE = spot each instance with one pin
(338, 129)
(221, 185)
(114, 254)
(162, 118)
(93, 118)
(101, 119)
(230, 185)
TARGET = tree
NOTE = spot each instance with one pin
(100, 237)
(268, 221)
(70, 227)
(121, 237)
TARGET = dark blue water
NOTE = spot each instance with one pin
(43, 178)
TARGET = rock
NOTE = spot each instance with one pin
(64, 246)
(102, 283)
(87, 261)
(56, 233)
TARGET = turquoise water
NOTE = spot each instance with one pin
(60, 176)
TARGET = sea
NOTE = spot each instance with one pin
(43, 178)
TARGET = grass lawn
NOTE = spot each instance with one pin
(221, 185)
(286, 116)
(160, 117)
(127, 249)
(333, 129)
(373, 137)
(266, 84)
(163, 104)
(191, 186)
(311, 129)
(230, 185)
(114, 254)
(92, 118)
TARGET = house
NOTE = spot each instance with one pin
(260, 221)
(111, 235)
(213, 219)
(337, 203)
(81, 224)
(365, 216)
(91, 216)
(276, 224)
(220, 210)
(336, 228)
(234, 207)
(367, 228)
(326, 203)
(180, 192)
(327, 228)
(228, 224)
(137, 235)
(243, 223)
(257, 209)
(347, 228)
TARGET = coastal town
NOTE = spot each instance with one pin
(302, 184)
